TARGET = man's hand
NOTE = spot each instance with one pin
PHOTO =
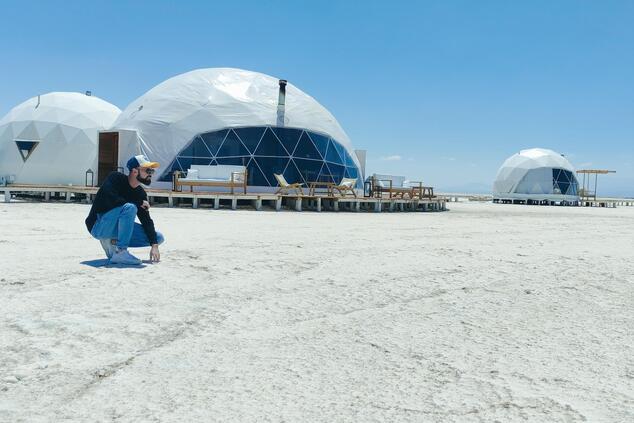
(145, 205)
(155, 256)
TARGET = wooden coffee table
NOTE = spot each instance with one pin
(328, 185)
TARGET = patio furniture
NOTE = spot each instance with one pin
(212, 176)
(285, 187)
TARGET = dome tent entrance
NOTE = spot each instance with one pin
(230, 116)
(536, 175)
(52, 138)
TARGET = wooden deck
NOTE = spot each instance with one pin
(217, 200)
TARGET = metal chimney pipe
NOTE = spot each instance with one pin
(38, 101)
(281, 103)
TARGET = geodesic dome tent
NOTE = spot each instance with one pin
(52, 138)
(225, 116)
(536, 174)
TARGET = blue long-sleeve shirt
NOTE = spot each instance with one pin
(115, 192)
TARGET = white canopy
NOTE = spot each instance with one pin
(170, 115)
(52, 138)
(529, 174)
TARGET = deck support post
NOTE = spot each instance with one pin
(68, 196)
(318, 201)
(216, 202)
(335, 205)
(234, 203)
(298, 204)
(195, 202)
(377, 206)
(258, 204)
(278, 204)
(7, 195)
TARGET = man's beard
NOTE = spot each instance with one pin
(146, 181)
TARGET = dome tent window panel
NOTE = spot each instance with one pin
(214, 140)
(320, 141)
(232, 147)
(309, 169)
(325, 175)
(332, 154)
(271, 146)
(255, 176)
(271, 165)
(197, 148)
(306, 149)
(250, 137)
(337, 171)
(289, 137)
(234, 161)
(292, 174)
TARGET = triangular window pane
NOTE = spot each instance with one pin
(214, 140)
(288, 137)
(270, 146)
(271, 165)
(324, 174)
(309, 169)
(236, 161)
(26, 148)
(349, 161)
(233, 146)
(306, 149)
(292, 174)
(320, 141)
(332, 155)
(337, 171)
(196, 148)
(255, 175)
(340, 149)
(250, 137)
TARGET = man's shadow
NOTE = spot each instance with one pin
(106, 263)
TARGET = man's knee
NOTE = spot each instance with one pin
(129, 208)
(160, 238)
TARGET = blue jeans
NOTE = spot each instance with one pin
(119, 224)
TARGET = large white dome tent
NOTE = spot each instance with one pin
(52, 138)
(232, 116)
(536, 175)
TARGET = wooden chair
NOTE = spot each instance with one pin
(346, 185)
(285, 187)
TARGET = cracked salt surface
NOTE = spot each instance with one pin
(484, 313)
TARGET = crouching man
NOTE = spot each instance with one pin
(119, 200)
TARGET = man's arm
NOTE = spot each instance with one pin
(148, 224)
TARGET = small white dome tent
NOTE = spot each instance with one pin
(52, 138)
(232, 116)
(536, 175)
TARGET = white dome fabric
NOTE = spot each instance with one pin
(530, 174)
(170, 115)
(53, 139)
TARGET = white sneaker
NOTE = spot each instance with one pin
(107, 246)
(122, 256)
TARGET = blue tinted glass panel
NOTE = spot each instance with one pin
(320, 141)
(332, 155)
(337, 171)
(309, 169)
(250, 137)
(288, 137)
(232, 147)
(196, 148)
(291, 174)
(270, 146)
(324, 174)
(349, 161)
(238, 161)
(271, 165)
(255, 176)
(213, 140)
(351, 172)
(340, 149)
(306, 149)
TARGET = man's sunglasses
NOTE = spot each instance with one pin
(148, 170)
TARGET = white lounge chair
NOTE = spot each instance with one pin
(346, 185)
(285, 187)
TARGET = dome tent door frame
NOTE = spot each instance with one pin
(108, 155)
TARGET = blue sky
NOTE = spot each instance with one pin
(441, 91)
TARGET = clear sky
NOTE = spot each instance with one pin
(441, 91)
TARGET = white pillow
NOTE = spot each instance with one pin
(192, 174)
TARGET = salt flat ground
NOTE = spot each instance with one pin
(483, 313)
